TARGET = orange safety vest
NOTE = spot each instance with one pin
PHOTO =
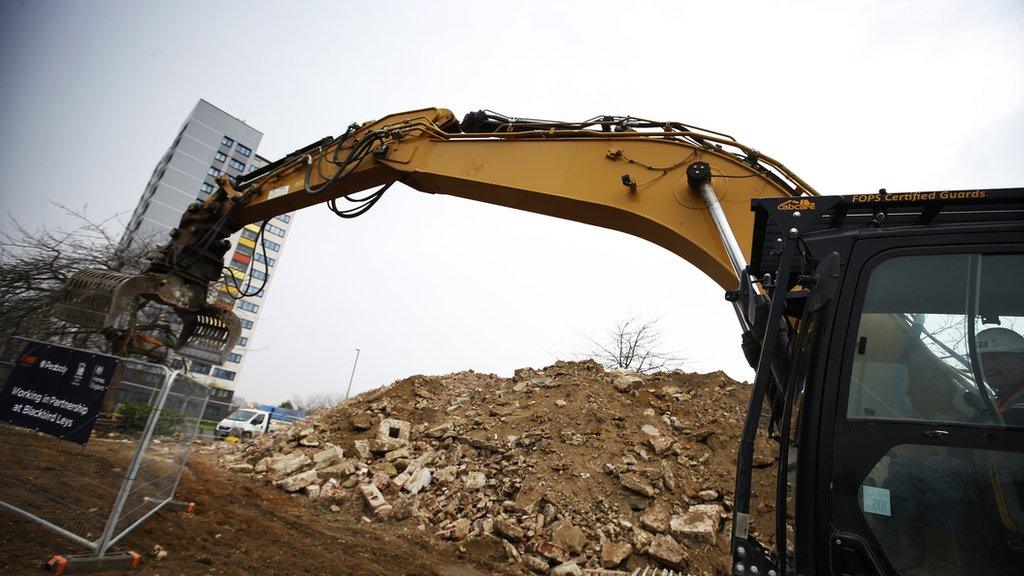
(1004, 510)
(1005, 404)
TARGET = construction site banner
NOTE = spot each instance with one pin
(57, 390)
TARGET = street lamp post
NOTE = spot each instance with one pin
(353, 375)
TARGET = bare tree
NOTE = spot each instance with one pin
(35, 265)
(317, 401)
(636, 343)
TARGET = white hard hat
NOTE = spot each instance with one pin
(1000, 339)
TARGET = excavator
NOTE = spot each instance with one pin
(884, 328)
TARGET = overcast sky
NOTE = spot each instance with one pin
(907, 96)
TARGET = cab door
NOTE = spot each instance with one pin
(925, 465)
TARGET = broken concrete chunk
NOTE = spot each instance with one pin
(657, 518)
(708, 495)
(535, 564)
(384, 445)
(641, 538)
(363, 449)
(446, 474)
(613, 553)
(527, 498)
(426, 458)
(439, 430)
(669, 479)
(636, 501)
(386, 468)
(481, 443)
(338, 470)
(298, 481)
(508, 529)
(660, 444)
(398, 482)
(636, 484)
(650, 430)
(503, 410)
(329, 455)
(700, 523)
(549, 512)
(474, 480)
(311, 441)
(570, 537)
(286, 464)
(667, 550)
(544, 382)
(458, 530)
(401, 453)
(313, 491)
(362, 421)
(552, 551)
(520, 374)
(567, 569)
(331, 491)
(375, 499)
(462, 526)
(403, 508)
(511, 552)
(418, 481)
(240, 467)
(392, 429)
(626, 383)
(380, 480)
(424, 393)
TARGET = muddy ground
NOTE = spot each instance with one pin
(241, 527)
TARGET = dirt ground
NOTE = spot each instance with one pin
(242, 527)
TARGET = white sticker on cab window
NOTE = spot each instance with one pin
(876, 501)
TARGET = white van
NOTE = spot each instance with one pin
(244, 423)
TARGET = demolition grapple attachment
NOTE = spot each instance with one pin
(208, 336)
(99, 298)
(107, 301)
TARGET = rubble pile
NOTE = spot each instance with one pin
(556, 470)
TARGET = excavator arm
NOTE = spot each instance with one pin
(683, 188)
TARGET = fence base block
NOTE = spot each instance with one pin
(66, 565)
(177, 505)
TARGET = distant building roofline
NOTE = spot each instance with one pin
(229, 114)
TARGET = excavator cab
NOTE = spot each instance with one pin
(901, 420)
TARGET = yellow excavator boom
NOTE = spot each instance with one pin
(654, 180)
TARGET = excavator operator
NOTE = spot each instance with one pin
(1002, 362)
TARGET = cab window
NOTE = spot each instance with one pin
(941, 339)
(935, 389)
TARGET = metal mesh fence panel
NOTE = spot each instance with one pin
(215, 412)
(163, 461)
(130, 466)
